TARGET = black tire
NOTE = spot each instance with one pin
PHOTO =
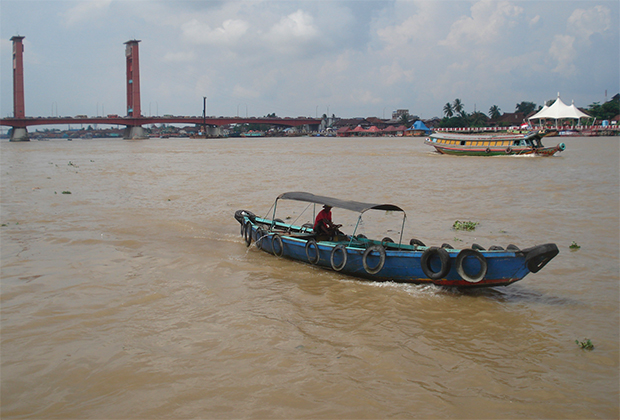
(385, 241)
(247, 233)
(240, 214)
(416, 242)
(477, 255)
(378, 267)
(447, 246)
(478, 247)
(260, 233)
(312, 260)
(512, 248)
(508, 150)
(488, 150)
(307, 227)
(425, 262)
(496, 248)
(344, 257)
(277, 239)
(536, 258)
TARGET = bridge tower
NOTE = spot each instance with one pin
(19, 108)
(133, 89)
(133, 78)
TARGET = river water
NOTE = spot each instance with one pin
(134, 296)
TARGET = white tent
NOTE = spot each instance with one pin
(559, 111)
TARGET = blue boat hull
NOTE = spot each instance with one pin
(378, 261)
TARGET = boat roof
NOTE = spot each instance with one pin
(336, 202)
(458, 136)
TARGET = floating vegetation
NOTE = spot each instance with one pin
(574, 246)
(72, 164)
(585, 344)
(66, 192)
(469, 226)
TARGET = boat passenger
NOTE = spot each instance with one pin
(323, 223)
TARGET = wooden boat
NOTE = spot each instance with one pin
(386, 260)
(493, 145)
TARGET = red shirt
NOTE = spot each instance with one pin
(324, 216)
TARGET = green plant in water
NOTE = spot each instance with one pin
(469, 226)
(585, 344)
(66, 192)
(574, 246)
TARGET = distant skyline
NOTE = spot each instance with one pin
(308, 58)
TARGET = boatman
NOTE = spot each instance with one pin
(323, 223)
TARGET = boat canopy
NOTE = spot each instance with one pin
(337, 203)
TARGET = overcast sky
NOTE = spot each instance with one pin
(308, 58)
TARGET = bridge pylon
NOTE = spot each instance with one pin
(19, 108)
(133, 89)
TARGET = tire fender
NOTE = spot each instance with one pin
(312, 259)
(260, 234)
(425, 262)
(378, 267)
(337, 248)
(277, 239)
(475, 278)
(537, 257)
(247, 233)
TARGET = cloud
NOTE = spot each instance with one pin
(229, 34)
(488, 21)
(180, 57)
(418, 28)
(563, 51)
(583, 23)
(364, 96)
(244, 93)
(85, 11)
(394, 73)
(293, 33)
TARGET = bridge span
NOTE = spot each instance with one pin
(129, 122)
(134, 119)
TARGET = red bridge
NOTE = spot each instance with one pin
(134, 120)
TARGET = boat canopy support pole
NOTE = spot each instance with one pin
(359, 219)
(402, 230)
(273, 218)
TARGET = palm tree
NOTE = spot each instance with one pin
(405, 119)
(478, 119)
(447, 110)
(526, 107)
(494, 112)
(458, 107)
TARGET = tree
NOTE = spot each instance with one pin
(458, 107)
(448, 110)
(405, 119)
(494, 112)
(526, 107)
(606, 111)
(478, 119)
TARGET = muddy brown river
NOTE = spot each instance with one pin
(127, 291)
